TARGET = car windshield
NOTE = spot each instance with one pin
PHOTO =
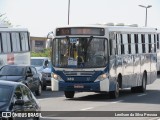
(37, 62)
(12, 70)
(5, 93)
(80, 52)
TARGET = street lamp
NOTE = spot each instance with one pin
(149, 6)
(68, 10)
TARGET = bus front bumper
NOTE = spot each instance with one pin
(99, 86)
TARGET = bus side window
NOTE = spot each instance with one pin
(149, 44)
(154, 43)
(139, 43)
(143, 43)
(122, 45)
(24, 41)
(118, 42)
(15, 42)
(1, 50)
(129, 43)
(132, 44)
(125, 42)
(112, 39)
(6, 42)
(136, 42)
(146, 43)
(157, 41)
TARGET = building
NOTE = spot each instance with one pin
(38, 44)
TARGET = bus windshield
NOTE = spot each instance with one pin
(80, 52)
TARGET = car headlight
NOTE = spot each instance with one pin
(102, 77)
(57, 77)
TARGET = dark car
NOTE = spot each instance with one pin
(46, 76)
(25, 74)
(16, 97)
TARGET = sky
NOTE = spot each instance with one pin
(43, 16)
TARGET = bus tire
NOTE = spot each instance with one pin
(144, 83)
(69, 94)
(115, 94)
(133, 89)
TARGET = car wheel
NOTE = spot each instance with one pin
(69, 94)
(39, 90)
(44, 87)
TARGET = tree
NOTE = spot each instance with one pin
(46, 53)
(3, 19)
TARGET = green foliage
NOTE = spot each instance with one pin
(45, 53)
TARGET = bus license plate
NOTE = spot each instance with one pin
(78, 86)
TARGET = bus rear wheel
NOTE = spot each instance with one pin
(142, 88)
(114, 94)
(69, 94)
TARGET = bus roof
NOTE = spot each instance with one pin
(158, 30)
(116, 28)
(12, 29)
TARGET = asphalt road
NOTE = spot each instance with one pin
(84, 102)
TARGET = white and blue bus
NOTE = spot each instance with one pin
(14, 46)
(158, 50)
(103, 58)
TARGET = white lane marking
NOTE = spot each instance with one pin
(141, 95)
(117, 101)
(40, 99)
(87, 108)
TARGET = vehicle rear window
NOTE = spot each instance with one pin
(37, 62)
(12, 70)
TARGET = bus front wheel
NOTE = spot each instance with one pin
(69, 94)
(114, 94)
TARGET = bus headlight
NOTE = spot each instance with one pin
(55, 76)
(102, 77)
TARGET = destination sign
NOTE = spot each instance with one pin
(80, 31)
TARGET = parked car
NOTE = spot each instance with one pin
(46, 76)
(39, 63)
(23, 73)
(16, 97)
